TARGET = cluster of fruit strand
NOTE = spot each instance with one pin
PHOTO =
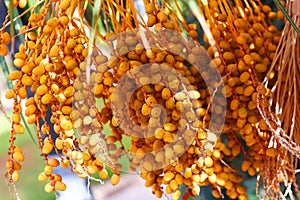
(191, 169)
(52, 62)
(48, 63)
(191, 159)
(247, 40)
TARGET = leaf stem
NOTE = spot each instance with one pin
(282, 8)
